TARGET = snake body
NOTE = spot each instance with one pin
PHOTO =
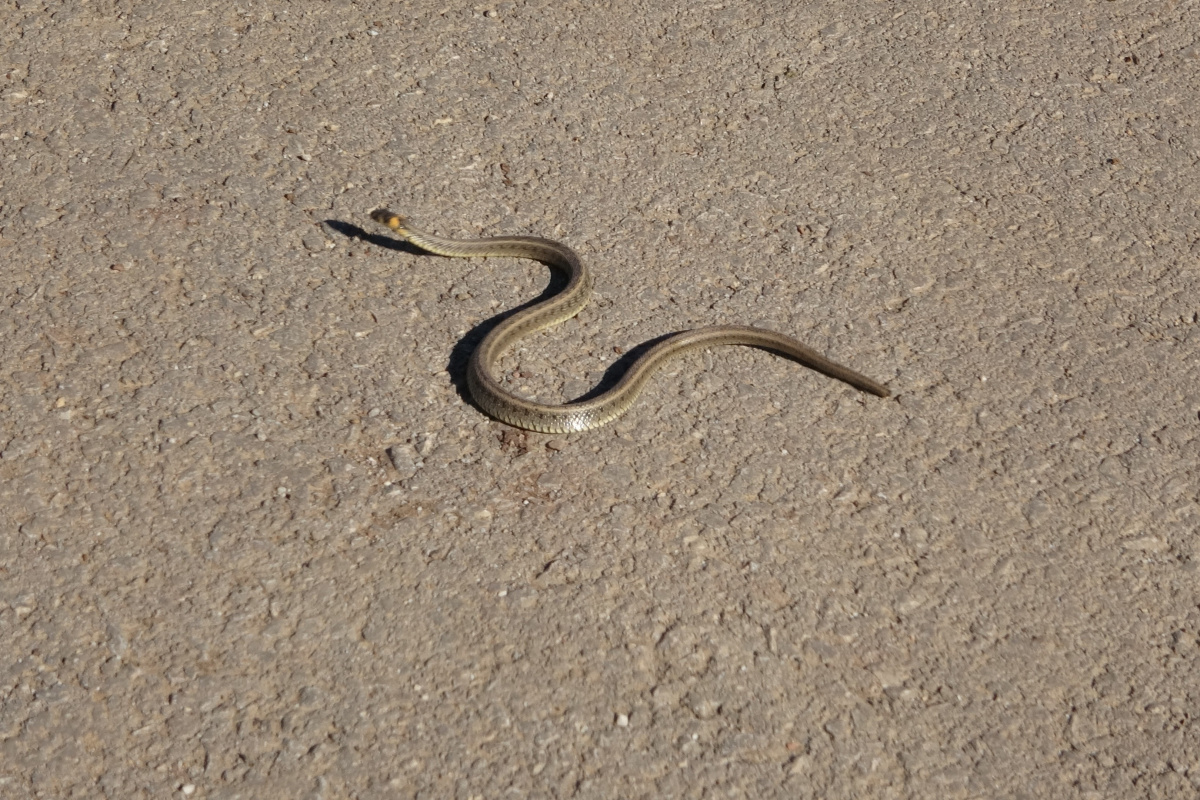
(584, 415)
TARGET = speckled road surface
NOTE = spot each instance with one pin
(256, 543)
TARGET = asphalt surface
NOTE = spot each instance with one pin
(258, 543)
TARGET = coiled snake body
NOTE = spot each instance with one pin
(584, 415)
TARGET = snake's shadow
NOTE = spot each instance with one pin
(354, 232)
(460, 355)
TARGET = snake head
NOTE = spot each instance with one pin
(385, 217)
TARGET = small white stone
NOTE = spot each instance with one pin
(1147, 544)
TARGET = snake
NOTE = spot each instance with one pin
(582, 415)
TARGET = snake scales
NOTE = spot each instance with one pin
(584, 415)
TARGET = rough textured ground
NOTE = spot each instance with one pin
(216, 583)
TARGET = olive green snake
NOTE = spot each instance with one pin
(582, 415)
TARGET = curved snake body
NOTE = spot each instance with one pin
(584, 415)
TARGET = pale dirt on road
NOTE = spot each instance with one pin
(216, 583)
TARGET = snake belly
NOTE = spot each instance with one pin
(501, 404)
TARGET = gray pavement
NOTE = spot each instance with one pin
(256, 543)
